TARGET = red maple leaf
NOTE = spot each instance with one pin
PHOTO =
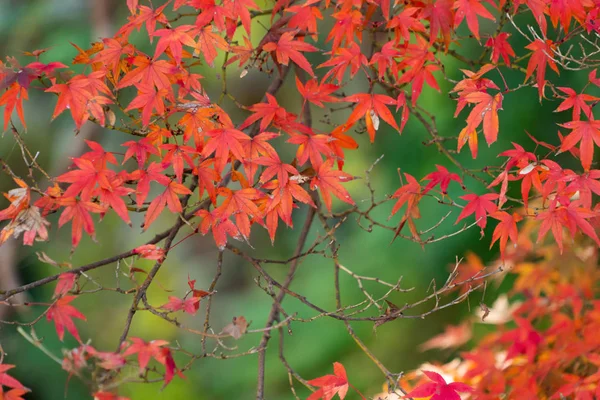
(564, 11)
(174, 39)
(482, 206)
(371, 107)
(287, 49)
(266, 112)
(312, 147)
(585, 132)
(418, 71)
(12, 98)
(404, 22)
(349, 22)
(592, 20)
(486, 111)
(317, 93)
(532, 175)
(7, 380)
(438, 389)
(473, 82)
(341, 59)
(149, 72)
(107, 360)
(210, 12)
(242, 53)
(23, 76)
(197, 293)
(281, 202)
(327, 180)
(239, 9)
(440, 17)
(524, 339)
(177, 156)
(506, 228)
(442, 177)
(62, 313)
(304, 17)
(86, 178)
(222, 141)
(145, 351)
(78, 212)
(77, 94)
(207, 44)
(500, 48)
(166, 358)
(149, 99)
(13, 394)
(517, 156)
(17, 79)
(275, 167)
(140, 149)
(571, 217)
(385, 60)
(110, 55)
(169, 198)
(241, 203)
(339, 142)
(113, 197)
(147, 15)
(189, 306)
(585, 184)
(220, 225)
(469, 10)
(409, 194)
(108, 395)
(255, 147)
(578, 102)
(540, 58)
(64, 284)
(207, 177)
(330, 385)
(592, 78)
(144, 177)
(150, 252)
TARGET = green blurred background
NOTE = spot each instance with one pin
(313, 347)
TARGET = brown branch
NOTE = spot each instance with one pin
(260, 390)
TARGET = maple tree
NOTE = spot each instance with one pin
(215, 166)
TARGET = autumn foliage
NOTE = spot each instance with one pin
(192, 160)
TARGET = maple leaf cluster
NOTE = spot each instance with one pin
(190, 159)
(545, 344)
(210, 141)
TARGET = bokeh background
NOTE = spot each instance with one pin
(26, 25)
